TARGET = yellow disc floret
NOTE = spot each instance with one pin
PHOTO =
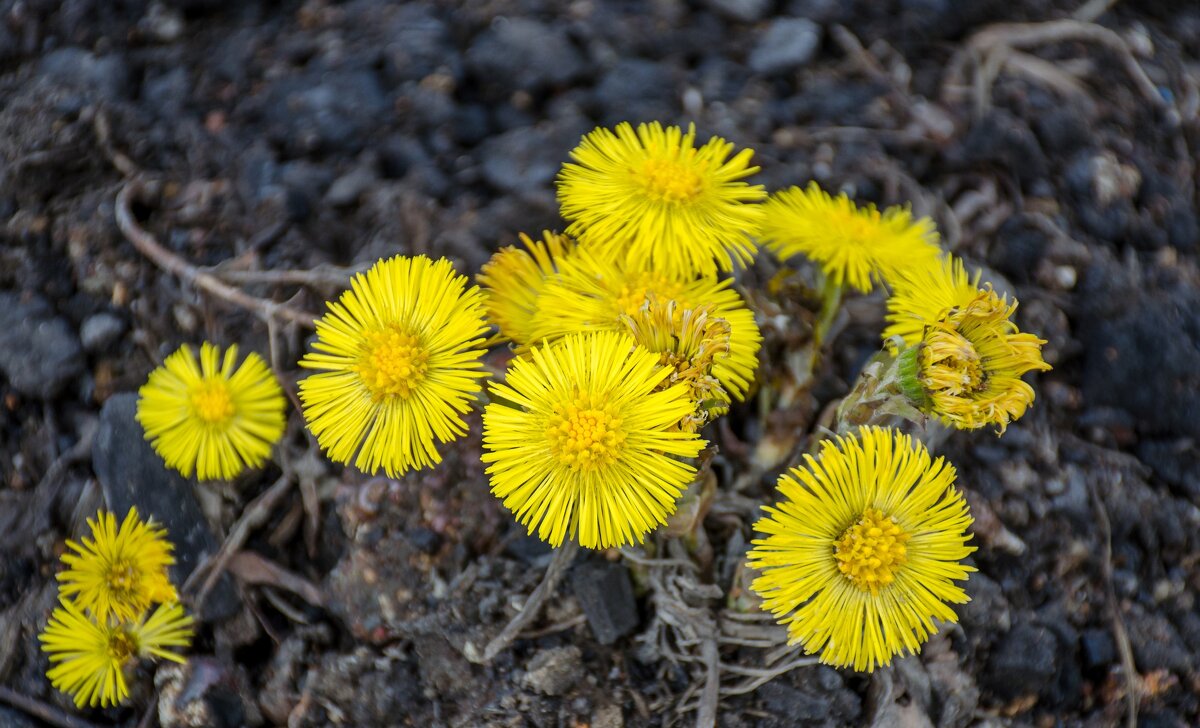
(870, 551)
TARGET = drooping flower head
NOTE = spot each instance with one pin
(855, 246)
(966, 362)
(120, 571)
(862, 554)
(581, 443)
(688, 341)
(591, 293)
(513, 279)
(90, 657)
(212, 417)
(398, 360)
(650, 197)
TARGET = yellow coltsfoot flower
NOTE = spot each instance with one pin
(120, 571)
(398, 360)
(688, 341)
(861, 555)
(591, 293)
(90, 657)
(212, 417)
(513, 279)
(651, 197)
(965, 357)
(855, 246)
(581, 443)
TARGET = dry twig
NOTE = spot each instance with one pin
(146, 244)
(41, 711)
(562, 558)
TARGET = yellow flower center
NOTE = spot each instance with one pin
(122, 645)
(212, 402)
(871, 551)
(122, 580)
(392, 362)
(668, 180)
(951, 364)
(584, 433)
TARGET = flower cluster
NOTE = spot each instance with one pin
(117, 606)
(628, 339)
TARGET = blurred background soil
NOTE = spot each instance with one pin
(1056, 152)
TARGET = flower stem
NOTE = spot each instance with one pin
(831, 303)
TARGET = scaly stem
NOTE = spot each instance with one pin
(831, 303)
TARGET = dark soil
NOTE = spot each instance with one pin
(285, 135)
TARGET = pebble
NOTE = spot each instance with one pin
(747, 11)
(100, 330)
(103, 77)
(39, 352)
(132, 474)
(1023, 662)
(554, 671)
(523, 54)
(605, 592)
(787, 44)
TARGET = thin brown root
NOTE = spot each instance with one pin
(146, 244)
(1118, 625)
(563, 556)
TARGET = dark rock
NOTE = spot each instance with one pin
(105, 78)
(815, 697)
(1004, 139)
(637, 91)
(1097, 649)
(39, 352)
(554, 671)
(524, 160)
(1176, 462)
(201, 692)
(346, 189)
(1130, 363)
(605, 593)
(747, 11)
(419, 44)
(523, 54)
(1024, 662)
(333, 111)
(1062, 128)
(1018, 248)
(10, 718)
(528, 548)
(988, 615)
(131, 474)
(1157, 645)
(366, 688)
(425, 540)
(787, 44)
(99, 331)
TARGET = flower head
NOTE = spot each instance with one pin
(651, 197)
(854, 246)
(211, 416)
(591, 293)
(513, 279)
(119, 571)
(689, 342)
(861, 555)
(581, 443)
(90, 657)
(966, 356)
(399, 359)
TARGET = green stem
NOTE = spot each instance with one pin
(831, 302)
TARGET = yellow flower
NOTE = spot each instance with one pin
(924, 294)
(854, 246)
(212, 416)
(119, 572)
(861, 555)
(969, 365)
(580, 444)
(688, 342)
(653, 198)
(591, 293)
(513, 279)
(399, 357)
(90, 659)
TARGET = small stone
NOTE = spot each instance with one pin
(747, 11)
(608, 716)
(105, 77)
(554, 671)
(787, 44)
(100, 330)
(199, 694)
(132, 474)
(523, 54)
(522, 160)
(39, 352)
(1097, 649)
(346, 189)
(1023, 662)
(605, 593)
